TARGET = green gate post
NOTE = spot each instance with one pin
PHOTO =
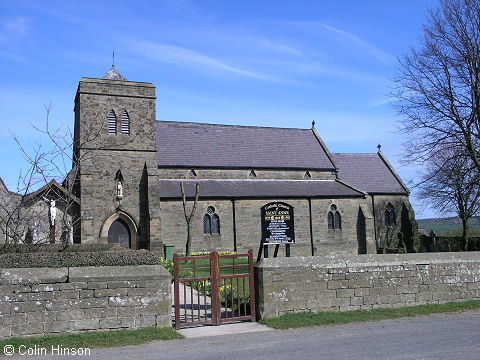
(168, 252)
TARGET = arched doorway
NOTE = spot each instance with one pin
(118, 233)
(119, 228)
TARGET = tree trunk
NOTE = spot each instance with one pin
(465, 234)
(189, 240)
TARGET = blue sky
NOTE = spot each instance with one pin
(263, 63)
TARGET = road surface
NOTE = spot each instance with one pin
(440, 336)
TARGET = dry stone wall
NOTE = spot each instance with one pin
(343, 283)
(41, 301)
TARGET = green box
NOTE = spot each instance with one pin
(168, 252)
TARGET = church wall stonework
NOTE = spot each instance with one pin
(344, 241)
(250, 231)
(248, 226)
(174, 229)
(102, 154)
(380, 202)
(261, 174)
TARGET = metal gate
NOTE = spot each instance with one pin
(213, 289)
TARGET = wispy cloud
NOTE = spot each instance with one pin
(378, 54)
(186, 57)
(13, 28)
(279, 47)
(383, 101)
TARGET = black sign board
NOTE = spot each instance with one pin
(277, 224)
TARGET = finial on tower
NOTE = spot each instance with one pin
(379, 147)
(114, 74)
(313, 124)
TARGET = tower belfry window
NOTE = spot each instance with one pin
(125, 123)
(112, 123)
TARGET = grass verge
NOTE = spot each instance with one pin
(330, 318)
(93, 340)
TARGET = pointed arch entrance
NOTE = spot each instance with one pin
(118, 233)
(121, 229)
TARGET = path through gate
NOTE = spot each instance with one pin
(213, 289)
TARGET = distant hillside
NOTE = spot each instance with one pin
(448, 225)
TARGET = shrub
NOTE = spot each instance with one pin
(77, 255)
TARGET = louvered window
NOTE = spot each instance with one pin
(125, 123)
(112, 123)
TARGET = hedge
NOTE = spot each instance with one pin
(74, 256)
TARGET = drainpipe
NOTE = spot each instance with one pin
(374, 223)
(311, 227)
(234, 226)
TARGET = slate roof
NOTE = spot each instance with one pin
(226, 146)
(213, 188)
(369, 172)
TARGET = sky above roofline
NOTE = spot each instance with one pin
(269, 63)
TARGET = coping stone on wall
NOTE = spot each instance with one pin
(369, 260)
(33, 276)
(105, 273)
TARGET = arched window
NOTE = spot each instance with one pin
(390, 215)
(125, 123)
(211, 222)
(330, 220)
(207, 225)
(307, 175)
(338, 221)
(215, 224)
(252, 174)
(334, 218)
(112, 123)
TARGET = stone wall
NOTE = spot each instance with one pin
(247, 233)
(272, 174)
(40, 301)
(103, 154)
(404, 221)
(343, 283)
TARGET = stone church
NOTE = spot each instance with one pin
(131, 168)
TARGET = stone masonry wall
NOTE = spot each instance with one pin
(41, 301)
(102, 154)
(343, 283)
(276, 174)
(248, 226)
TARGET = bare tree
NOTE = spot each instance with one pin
(29, 214)
(53, 173)
(438, 85)
(450, 184)
(188, 218)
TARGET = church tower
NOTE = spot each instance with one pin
(116, 153)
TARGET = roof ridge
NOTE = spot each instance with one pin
(374, 153)
(227, 125)
(252, 180)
